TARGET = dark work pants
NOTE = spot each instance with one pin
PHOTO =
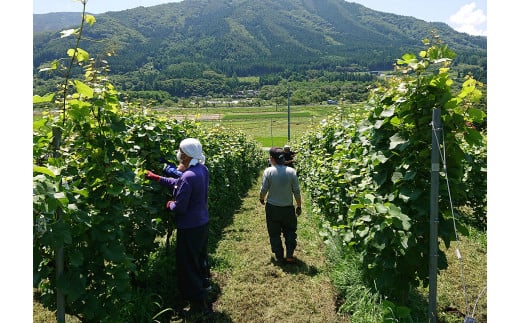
(281, 220)
(192, 262)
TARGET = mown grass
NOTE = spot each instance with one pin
(255, 289)
(43, 315)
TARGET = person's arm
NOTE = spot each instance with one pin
(169, 182)
(264, 188)
(298, 205)
(297, 194)
(151, 176)
(298, 202)
(262, 198)
(165, 181)
(182, 198)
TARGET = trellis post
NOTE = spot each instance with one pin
(434, 215)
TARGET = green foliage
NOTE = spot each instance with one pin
(90, 196)
(370, 174)
(395, 313)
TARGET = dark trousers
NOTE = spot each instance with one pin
(192, 262)
(281, 220)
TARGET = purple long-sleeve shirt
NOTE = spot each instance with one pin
(190, 196)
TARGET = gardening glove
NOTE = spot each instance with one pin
(152, 176)
(170, 205)
(298, 210)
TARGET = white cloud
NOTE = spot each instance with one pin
(469, 20)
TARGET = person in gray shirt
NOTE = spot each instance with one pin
(280, 184)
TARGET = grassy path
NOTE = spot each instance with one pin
(251, 288)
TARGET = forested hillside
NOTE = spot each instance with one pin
(167, 46)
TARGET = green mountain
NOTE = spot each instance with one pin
(251, 37)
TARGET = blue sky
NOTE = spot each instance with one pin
(463, 15)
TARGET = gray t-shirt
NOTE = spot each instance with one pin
(282, 184)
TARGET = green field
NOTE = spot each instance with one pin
(270, 126)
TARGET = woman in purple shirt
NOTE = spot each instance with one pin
(190, 206)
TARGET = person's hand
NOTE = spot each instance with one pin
(152, 176)
(169, 204)
(298, 210)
